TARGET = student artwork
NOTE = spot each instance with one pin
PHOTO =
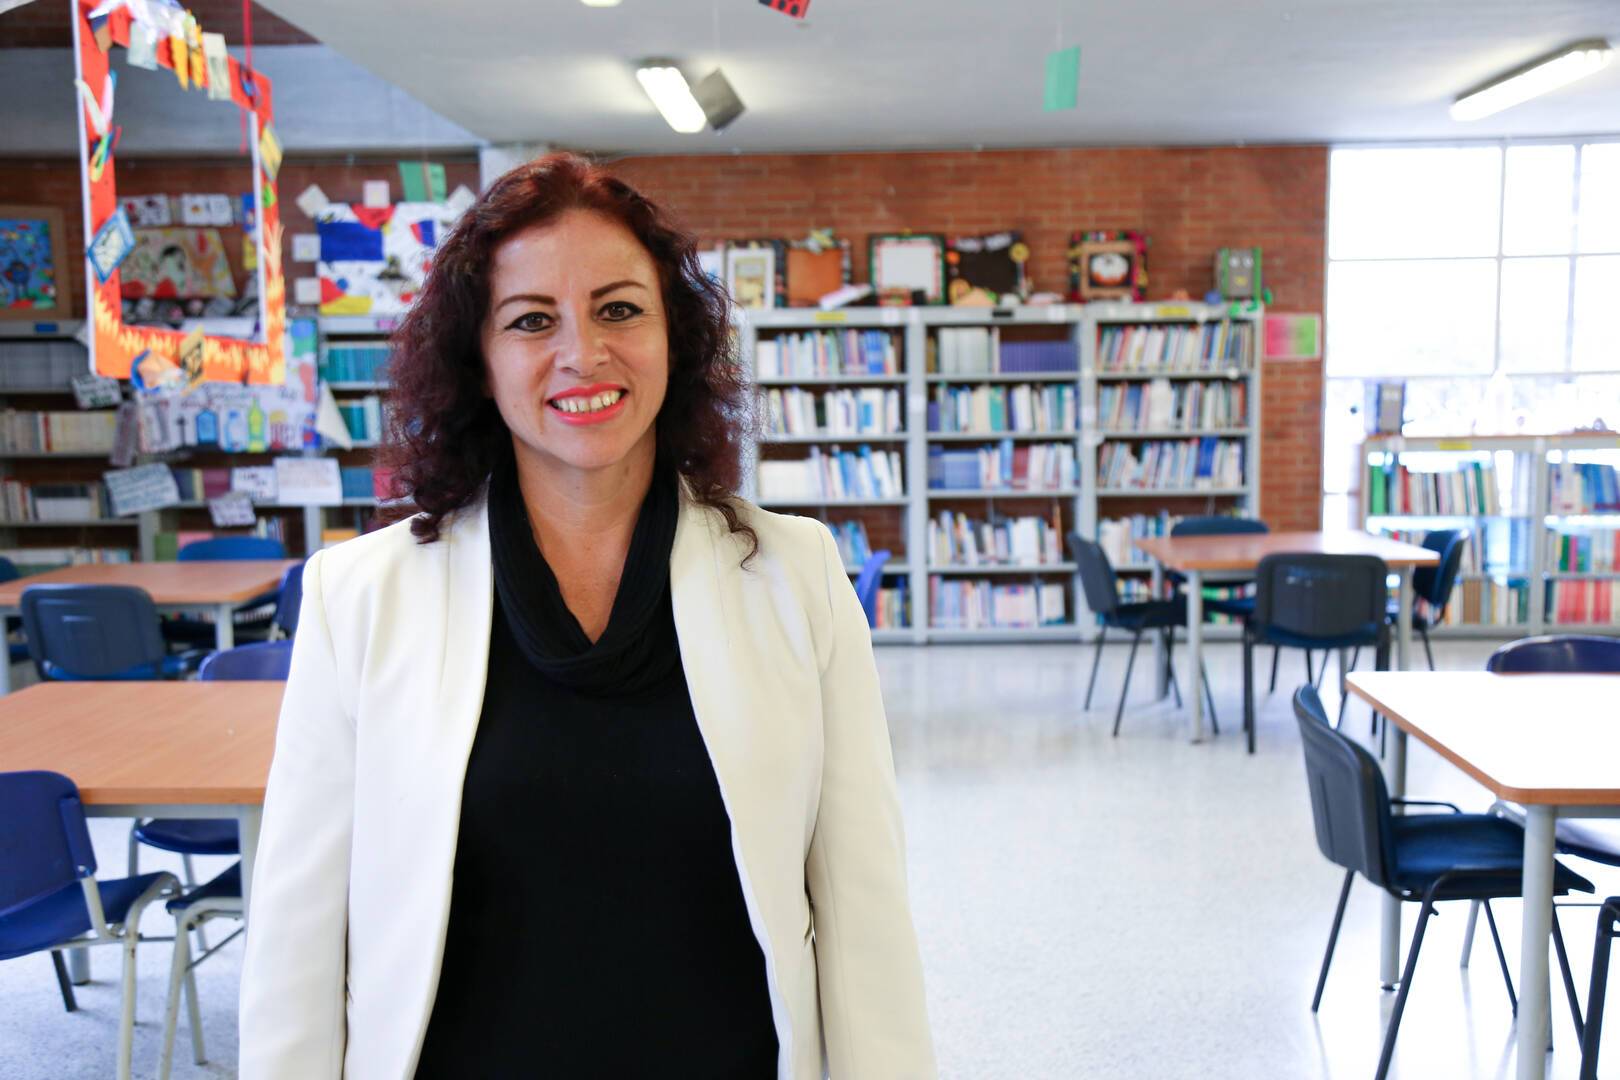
(177, 264)
(777, 291)
(226, 418)
(986, 270)
(712, 261)
(176, 42)
(793, 9)
(373, 261)
(31, 262)
(751, 276)
(817, 266)
(147, 211)
(1107, 265)
(907, 268)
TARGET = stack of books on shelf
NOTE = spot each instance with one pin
(961, 540)
(1584, 488)
(870, 410)
(1006, 466)
(1582, 602)
(1160, 405)
(1206, 463)
(821, 354)
(1470, 489)
(968, 604)
(363, 417)
(853, 546)
(40, 365)
(979, 350)
(1592, 551)
(1175, 348)
(200, 485)
(54, 502)
(893, 606)
(355, 363)
(357, 481)
(37, 560)
(1117, 536)
(991, 410)
(57, 432)
(1488, 602)
(833, 475)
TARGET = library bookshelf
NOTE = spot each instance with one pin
(1543, 512)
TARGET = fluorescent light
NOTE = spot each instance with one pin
(600, 3)
(1534, 79)
(667, 87)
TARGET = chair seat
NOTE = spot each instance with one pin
(170, 667)
(226, 885)
(1429, 845)
(62, 916)
(1237, 606)
(191, 836)
(1148, 615)
(1271, 635)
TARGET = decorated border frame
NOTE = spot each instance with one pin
(114, 347)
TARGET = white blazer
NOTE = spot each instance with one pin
(352, 884)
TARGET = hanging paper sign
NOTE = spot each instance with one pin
(305, 481)
(231, 510)
(145, 487)
(112, 242)
(219, 67)
(1293, 337)
(270, 151)
(95, 391)
(312, 200)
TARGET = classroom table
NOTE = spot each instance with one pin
(150, 749)
(211, 586)
(1547, 742)
(1235, 556)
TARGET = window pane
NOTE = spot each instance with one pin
(1344, 426)
(1447, 407)
(1535, 314)
(1597, 289)
(1540, 200)
(1411, 318)
(1414, 203)
(1600, 197)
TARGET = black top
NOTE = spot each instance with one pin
(597, 922)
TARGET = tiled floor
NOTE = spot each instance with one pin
(1088, 906)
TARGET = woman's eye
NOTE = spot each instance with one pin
(620, 310)
(531, 322)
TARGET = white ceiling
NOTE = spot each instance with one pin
(888, 74)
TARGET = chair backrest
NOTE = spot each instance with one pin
(44, 842)
(1557, 653)
(8, 570)
(263, 661)
(1218, 525)
(220, 548)
(1349, 801)
(1096, 574)
(290, 597)
(90, 631)
(1322, 596)
(866, 584)
(1434, 583)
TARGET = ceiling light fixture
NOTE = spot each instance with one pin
(667, 87)
(1533, 79)
(600, 3)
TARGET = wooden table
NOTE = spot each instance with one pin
(213, 586)
(1547, 742)
(1224, 557)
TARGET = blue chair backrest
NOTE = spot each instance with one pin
(261, 661)
(290, 597)
(91, 631)
(44, 842)
(1218, 525)
(220, 548)
(1096, 574)
(1434, 583)
(1557, 653)
(1325, 596)
(8, 570)
(1349, 801)
(866, 584)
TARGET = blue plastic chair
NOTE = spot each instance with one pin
(220, 897)
(98, 632)
(253, 618)
(1557, 653)
(17, 651)
(289, 598)
(1417, 858)
(867, 583)
(50, 899)
(1434, 584)
(263, 661)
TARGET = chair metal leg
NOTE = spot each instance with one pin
(1214, 721)
(1248, 690)
(1569, 980)
(1597, 991)
(1310, 667)
(1125, 688)
(1501, 957)
(1276, 651)
(126, 1026)
(1468, 933)
(1169, 663)
(1406, 987)
(1344, 692)
(1333, 939)
(1102, 636)
(134, 849)
(177, 971)
(1423, 632)
(65, 984)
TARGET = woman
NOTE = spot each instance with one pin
(583, 769)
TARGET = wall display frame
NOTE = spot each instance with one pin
(778, 288)
(751, 275)
(33, 263)
(983, 270)
(813, 271)
(1108, 265)
(909, 262)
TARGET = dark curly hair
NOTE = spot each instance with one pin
(446, 437)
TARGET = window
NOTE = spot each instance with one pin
(1486, 277)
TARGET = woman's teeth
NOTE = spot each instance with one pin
(588, 404)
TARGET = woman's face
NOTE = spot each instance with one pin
(576, 347)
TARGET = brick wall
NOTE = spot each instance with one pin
(44, 25)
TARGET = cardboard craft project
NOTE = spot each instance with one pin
(374, 261)
(1108, 265)
(32, 263)
(908, 264)
(812, 273)
(986, 269)
(114, 346)
(177, 264)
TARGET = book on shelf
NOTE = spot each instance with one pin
(1175, 348)
(869, 410)
(1583, 488)
(893, 606)
(200, 485)
(167, 544)
(1584, 551)
(1006, 465)
(40, 365)
(1160, 405)
(980, 350)
(974, 604)
(1470, 489)
(358, 481)
(1498, 547)
(821, 354)
(71, 502)
(1578, 602)
(962, 540)
(1488, 602)
(1207, 462)
(57, 432)
(364, 417)
(1117, 536)
(995, 410)
(833, 474)
(854, 548)
(355, 363)
(37, 560)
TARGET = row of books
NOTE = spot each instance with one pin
(355, 363)
(972, 604)
(1583, 488)
(1175, 348)
(41, 365)
(20, 501)
(833, 474)
(37, 560)
(1497, 547)
(1488, 602)
(980, 350)
(1004, 466)
(869, 410)
(1204, 463)
(166, 545)
(1161, 405)
(57, 432)
(1468, 490)
(1576, 602)
(961, 540)
(1592, 551)
(893, 606)
(820, 354)
(990, 410)
(853, 545)
(1117, 536)
(363, 417)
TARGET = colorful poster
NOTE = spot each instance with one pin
(28, 270)
(177, 264)
(1293, 337)
(373, 262)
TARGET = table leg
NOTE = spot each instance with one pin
(1161, 677)
(248, 819)
(1389, 953)
(78, 966)
(1195, 650)
(1538, 890)
(1403, 621)
(224, 627)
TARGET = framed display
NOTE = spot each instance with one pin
(815, 271)
(751, 276)
(777, 292)
(983, 270)
(33, 263)
(910, 263)
(1107, 266)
